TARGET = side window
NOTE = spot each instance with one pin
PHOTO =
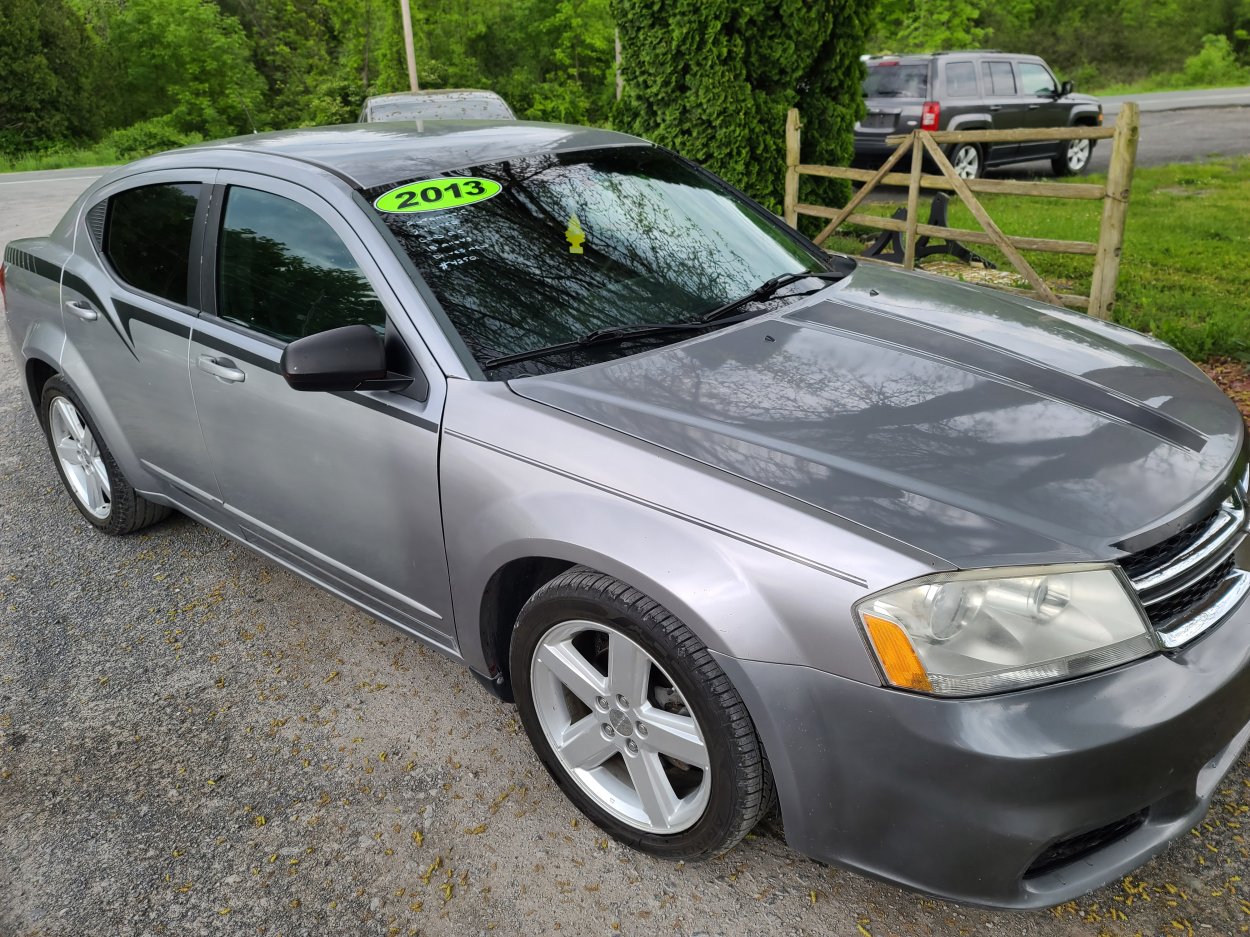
(999, 78)
(1036, 80)
(147, 237)
(961, 80)
(282, 271)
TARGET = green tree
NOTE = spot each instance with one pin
(713, 79)
(46, 86)
(928, 25)
(183, 61)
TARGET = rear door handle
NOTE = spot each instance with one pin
(81, 309)
(1034, 107)
(996, 107)
(221, 368)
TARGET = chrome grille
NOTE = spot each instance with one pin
(1189, 581)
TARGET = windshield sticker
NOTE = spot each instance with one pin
(437, 194)
(575, 235)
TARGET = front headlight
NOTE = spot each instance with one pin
(985, 631)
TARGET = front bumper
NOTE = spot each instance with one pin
(987, 800)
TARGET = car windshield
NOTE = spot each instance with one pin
(543, 250)
(898, 81)
(445, 106)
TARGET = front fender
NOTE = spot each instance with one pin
(742, 600)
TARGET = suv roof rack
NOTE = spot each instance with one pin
(969, 51)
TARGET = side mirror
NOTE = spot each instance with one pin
(1066, 88)
(349, 358)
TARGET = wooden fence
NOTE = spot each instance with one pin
(919, 143)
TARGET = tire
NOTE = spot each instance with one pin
(968, 160)
(87, 468)
(1073, 157)
(682, 810)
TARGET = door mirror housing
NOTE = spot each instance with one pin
(1066, 88)
(349, 358)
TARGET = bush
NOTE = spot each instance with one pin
(1216, 64)
(148, 137)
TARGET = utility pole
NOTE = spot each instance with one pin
(412, 55)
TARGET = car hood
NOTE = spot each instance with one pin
(978, 427)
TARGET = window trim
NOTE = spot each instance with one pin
(194, 256)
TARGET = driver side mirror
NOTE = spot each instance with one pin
(1066, 88)
(349, 358)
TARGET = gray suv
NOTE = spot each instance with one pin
(979, 90)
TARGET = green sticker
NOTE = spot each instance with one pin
(437, 194)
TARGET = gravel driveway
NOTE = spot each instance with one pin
(193, 741)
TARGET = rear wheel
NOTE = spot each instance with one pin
(87, 468)
(635, 720)
(967, 160)
(1073, 157)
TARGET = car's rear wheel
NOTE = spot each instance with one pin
(967, 160)
(1073, 157)
(87, 468)
(635, 720)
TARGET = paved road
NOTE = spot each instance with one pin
(1181, 100)
(193, 741)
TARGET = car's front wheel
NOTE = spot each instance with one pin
(1073, 157)
(635, 720)
(87, 468)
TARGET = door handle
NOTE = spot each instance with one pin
(221, 368)
(1034, 107)
(81, 309)
(996, 107)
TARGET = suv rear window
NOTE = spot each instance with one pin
(999, 78)
(889, 80)
(961, 80)
(148, 239)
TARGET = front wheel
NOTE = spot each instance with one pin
(1073, 157)
(635, 720)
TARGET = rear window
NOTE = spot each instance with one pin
(999, 78)
(961, 80)
(148, 238)
(888, 80)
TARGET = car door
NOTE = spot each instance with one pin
(130, 292)
(1039, 91)
(343, 486)
(998, 81)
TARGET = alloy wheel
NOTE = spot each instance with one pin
(967, 162)
(620, 727)
(1077, 154)
(80, 458)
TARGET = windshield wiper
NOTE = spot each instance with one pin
(598, 337)
(766, 289)
(622, 333)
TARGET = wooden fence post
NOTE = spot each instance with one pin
(792, 167)
(913, 207)
(1114, 211)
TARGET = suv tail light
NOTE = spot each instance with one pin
(4, 297)
(929, 116)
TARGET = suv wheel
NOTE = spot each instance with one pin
(966, 158)
(1073, 157)
(635, 720)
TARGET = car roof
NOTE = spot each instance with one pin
(368, 155)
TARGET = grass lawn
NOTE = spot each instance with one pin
(99, 155)
(1185, 271)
